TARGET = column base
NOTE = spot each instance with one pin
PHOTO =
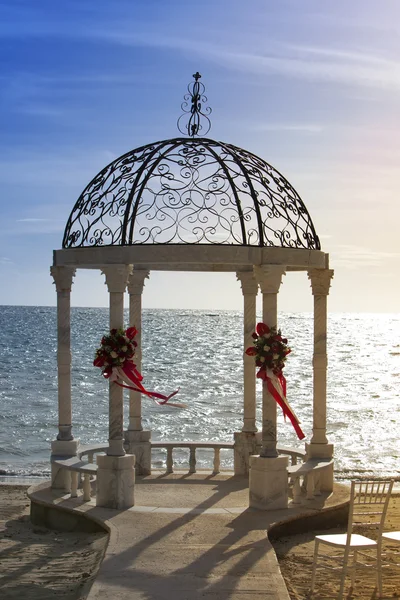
(244, 447)
(322, 451)
(268, 483)
(61, 478)
(139, 444)
(115, 481)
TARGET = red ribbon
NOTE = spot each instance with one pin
(131, 373)
(280, 399)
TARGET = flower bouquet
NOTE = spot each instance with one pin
(115, 359)
(271, 351)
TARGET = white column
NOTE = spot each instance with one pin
(268, 481)
(320, 284)
(116, 473)
(270, 278)
(136, 439)
(116, 281)
(65, 444)
(63, 277)
(249, 289)
(245, 440)
(135, 289)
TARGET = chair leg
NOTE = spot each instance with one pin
(344, 573)
(314, 567)
(353, 570)
(379, 571)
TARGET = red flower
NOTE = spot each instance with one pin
(262, 329)
(107, 372)
(251, 351)
(113, 331)
(98, 361)
(131, 332)
(262, 374)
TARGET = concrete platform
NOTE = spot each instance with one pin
(188, 537)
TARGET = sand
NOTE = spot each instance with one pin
(41, 564)
(295, 556)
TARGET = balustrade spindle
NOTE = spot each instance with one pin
(86, 487)
(192, 460)
(310, 486)
(216, 461)
(296, 491)
(170, 462)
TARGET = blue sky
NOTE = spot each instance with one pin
(312, 87)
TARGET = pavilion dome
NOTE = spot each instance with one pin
(190, 191)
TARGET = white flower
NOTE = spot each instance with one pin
(126, 339)
(262, 359)
(266, 348)
(275, 356)
(124, 348)
(113, 354)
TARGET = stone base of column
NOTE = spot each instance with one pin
(268, 483)
(115, 481)
(322, 451)
(138, 443)
(61, 478)
(244, 447)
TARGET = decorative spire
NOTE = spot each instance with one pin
(195, 117)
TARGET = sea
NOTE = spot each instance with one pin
(200, 352)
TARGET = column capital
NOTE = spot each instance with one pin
(117, 277)
(320, 281)
(63, 277)
(269, 277)
(136, 280)
(248, 283)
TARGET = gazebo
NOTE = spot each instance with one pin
(192, 204)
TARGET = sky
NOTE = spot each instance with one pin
(311, 87)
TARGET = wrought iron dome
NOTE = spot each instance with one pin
(190, 190)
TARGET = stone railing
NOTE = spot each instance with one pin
(303, 475)
(295, 455)
(78, 469)
(193, 446)
(305, 478)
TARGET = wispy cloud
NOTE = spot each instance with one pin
(4, 261)
(321, 66)
(32, 220)
(354, 257)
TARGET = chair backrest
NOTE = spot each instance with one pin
(369, 502)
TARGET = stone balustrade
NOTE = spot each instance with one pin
(302, 475)
(305, 479)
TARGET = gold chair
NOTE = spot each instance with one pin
(368, 506)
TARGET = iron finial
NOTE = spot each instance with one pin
(195, 117)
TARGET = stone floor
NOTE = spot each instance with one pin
(189, 537)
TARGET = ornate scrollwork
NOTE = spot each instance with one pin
(195, 119)
(190, 191)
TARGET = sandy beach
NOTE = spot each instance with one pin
(295, 556)
(43, 564)
(38, 563)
